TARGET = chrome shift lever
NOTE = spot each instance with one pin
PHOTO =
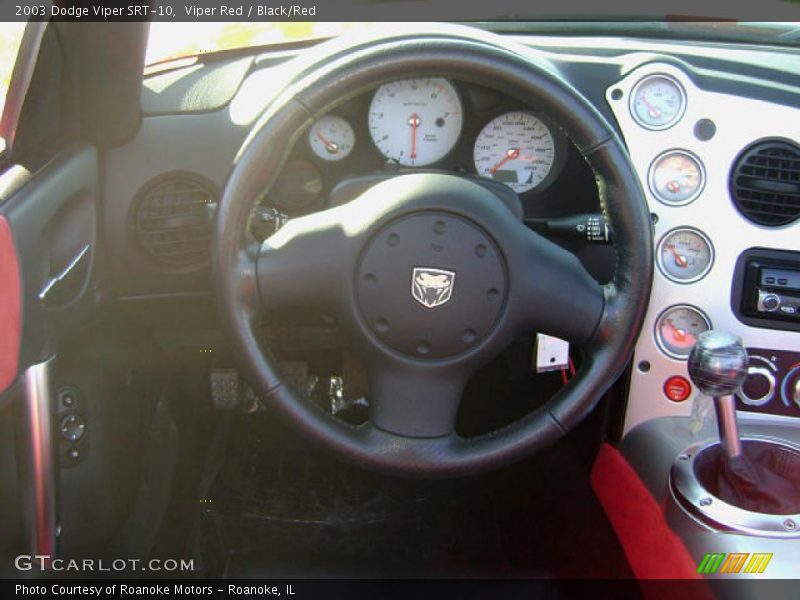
(718, 367)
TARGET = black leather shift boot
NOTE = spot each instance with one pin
(765, 478)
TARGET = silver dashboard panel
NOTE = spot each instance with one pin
(739, 122)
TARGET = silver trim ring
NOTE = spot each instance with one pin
(663, 270)
(693, 497)
(651, 172)
(678, 115)
(761, 401)
(657, 334)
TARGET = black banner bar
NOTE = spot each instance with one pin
(397, 10)
(348, 589)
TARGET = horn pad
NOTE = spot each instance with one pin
(431, 285)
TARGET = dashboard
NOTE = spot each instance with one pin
(434, 124)
(690, 150)
(694, 117)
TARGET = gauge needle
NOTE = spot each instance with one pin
(413, 120)
(654, 112)
(677, 333)
(329, 146)
(511, 154)
(680, 259)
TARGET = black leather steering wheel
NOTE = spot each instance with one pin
(429, 274)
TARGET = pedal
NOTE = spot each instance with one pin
(225, 389)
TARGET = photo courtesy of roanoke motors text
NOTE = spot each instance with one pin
(400, 298)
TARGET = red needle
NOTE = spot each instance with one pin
(414, 122)
(680, 259)
(654, 112)
(330, 146)
(512, 154)
(679, 334)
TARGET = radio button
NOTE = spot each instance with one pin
(768, 302)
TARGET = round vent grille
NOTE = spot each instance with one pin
(765, 183)
(172, 219)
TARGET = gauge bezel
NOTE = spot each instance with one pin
(657, 330)
(457, 140)
(651, 175)
(632, 98)
(659, 254)
(560, 148)
(325, 159)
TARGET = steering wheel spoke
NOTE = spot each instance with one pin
(551, 291)
(416, 401)
(305, 264)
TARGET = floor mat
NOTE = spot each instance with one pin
(279, 508)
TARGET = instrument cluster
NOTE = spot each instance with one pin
(424, 123)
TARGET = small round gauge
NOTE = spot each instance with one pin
(415, 122)
(657, 102)
(677, 329)
(685, 255)
(331, 138)
(517, 149)
(676, 178)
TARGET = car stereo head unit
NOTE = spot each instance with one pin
(766, 289)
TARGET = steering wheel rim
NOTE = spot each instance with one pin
(459, 53)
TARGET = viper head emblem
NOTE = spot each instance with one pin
(432, 287)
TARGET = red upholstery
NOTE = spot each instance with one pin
(10, 307)
(653, 550)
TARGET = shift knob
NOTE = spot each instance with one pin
(718, 367)
(718, 363)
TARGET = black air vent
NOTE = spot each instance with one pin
(172, 218)
(765, 183)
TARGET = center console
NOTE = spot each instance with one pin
(654, 448)
(720, 177)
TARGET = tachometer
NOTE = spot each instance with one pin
(517, 149)
(415, 122)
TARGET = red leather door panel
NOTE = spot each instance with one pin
(10, 307)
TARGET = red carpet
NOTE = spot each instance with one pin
(653, 550)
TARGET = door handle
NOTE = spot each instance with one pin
(53, 283)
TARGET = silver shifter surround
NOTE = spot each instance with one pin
(690, 494)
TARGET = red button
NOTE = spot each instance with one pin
(677, 388)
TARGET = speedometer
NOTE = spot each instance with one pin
(415, 122)
(517, 149)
